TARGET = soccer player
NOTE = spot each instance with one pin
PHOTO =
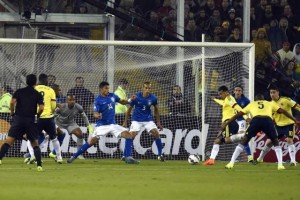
(46, 121)
(142, 117)
(104, 112)
(261, 112)
(229, 135)
(243, 102)
(284, 125)
(23, 108)
(65, 120)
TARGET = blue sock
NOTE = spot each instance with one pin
(41, 139)
(82, 149)
(128, 147)
(247, 149)
(60, 139)
(159, 146)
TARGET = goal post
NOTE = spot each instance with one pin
(197, 67)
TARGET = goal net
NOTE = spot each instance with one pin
(190, 121)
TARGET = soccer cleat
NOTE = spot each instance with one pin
(70, 160)
(293, 164)
(161, 158)
(123, 158)
(250, 158)
(52, 155)
(59, 161)
(209, 162)
(131, 160)
(81, 157)
(29, 161)
(229, 166)
(39, 168)
(255, 162)
(281, 167)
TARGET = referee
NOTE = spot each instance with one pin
(23, 107)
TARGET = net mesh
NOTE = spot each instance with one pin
(161, 65)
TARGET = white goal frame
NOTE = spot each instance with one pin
(111, 56)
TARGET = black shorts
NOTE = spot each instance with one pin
(287, 131)
(231, 129)
(264, 124)
(47, 125)
(23, 125)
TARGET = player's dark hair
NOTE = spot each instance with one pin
(147, 83)
(103, 84)
(43, 79)
(239, 86)
(31, 80)
(259, 97)
(274, 87)
(223, 88)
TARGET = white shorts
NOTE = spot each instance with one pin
(242, 125)
(136, 126)
(114, 129)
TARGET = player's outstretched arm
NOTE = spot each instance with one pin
(124, 101)
(127, 115)
(97, 115)
(13, 103)
(280, 110)
(157, 117)
(224, 124)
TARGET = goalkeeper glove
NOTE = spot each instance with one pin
(90, 129)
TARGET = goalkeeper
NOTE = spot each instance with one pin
(65, 120)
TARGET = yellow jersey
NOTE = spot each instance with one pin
(261, 108)
(286, 104)
(229, 108)
(49, 100)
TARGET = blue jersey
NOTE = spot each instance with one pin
(106, 106)
(142, 107)
(242, 102)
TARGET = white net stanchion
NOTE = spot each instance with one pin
(164, 64)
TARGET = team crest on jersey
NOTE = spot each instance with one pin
(281, 104)
(149, 103)
(112, 99)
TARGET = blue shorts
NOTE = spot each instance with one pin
(264, 124)
(287, 131)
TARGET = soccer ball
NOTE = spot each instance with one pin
(193, 159)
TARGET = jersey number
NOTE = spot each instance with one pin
(261, 105)
(109, 106)
(144, 107)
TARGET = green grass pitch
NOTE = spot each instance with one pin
(150, 180)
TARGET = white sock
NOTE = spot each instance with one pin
(79, 143)
(30, 149)
(57, 148)
(238, 149)
(214, 151)
(292, 151)
(263, 152)
(278, 152)
(237, 137)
